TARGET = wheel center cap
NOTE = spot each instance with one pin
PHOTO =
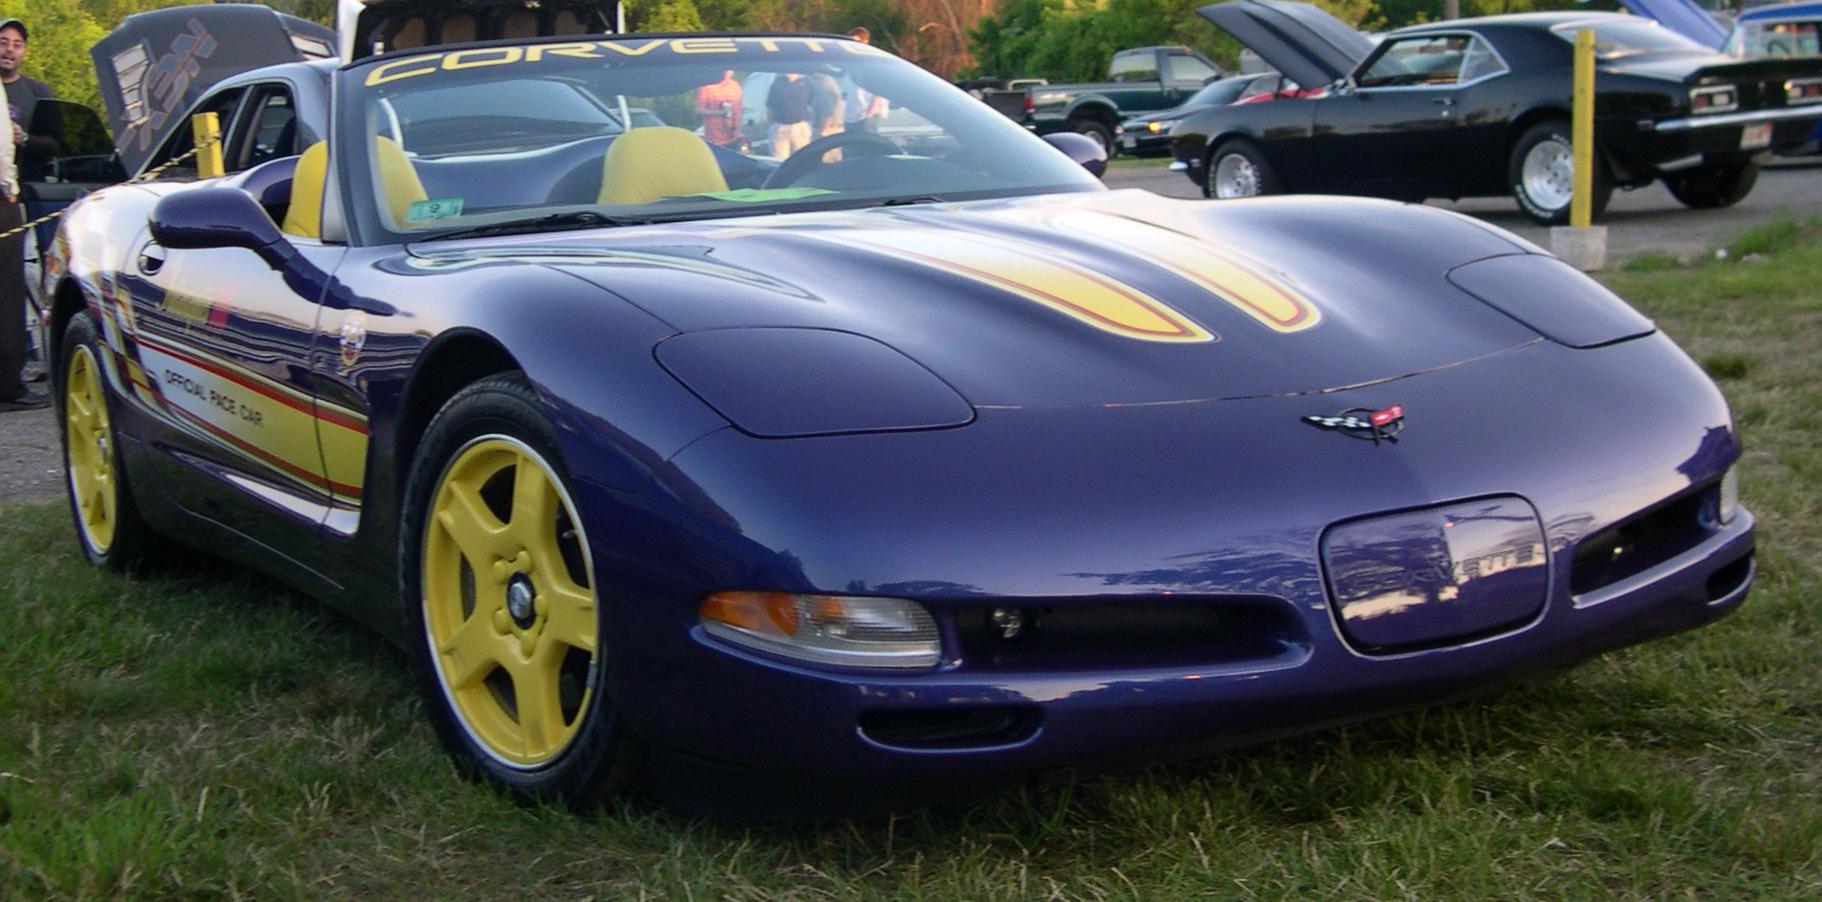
(520, 598)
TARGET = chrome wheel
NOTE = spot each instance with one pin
(1548, 174)
(1234, 176)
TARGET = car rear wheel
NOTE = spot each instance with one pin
(1711, 187)
(1098, 131)
(1542, 175)
(1238, 168)
(498, 585)
(107, 521)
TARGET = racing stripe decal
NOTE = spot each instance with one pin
(285, 430)
(1040, 276)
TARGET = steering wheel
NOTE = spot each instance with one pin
(802, 162)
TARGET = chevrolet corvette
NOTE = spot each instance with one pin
(856, 478)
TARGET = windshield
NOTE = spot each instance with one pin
(1220, 93)
(506, 136)
(1759, 40)
(1620, 37)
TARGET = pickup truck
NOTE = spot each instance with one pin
(1138, 80)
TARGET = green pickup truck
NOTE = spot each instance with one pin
(1138, 80)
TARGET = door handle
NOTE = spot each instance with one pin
(151, 259)
(1443, 101)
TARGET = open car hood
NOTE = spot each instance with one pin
(1311, 47)
(157, 64)
(1684, 18)
(367, 27)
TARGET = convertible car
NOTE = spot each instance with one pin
(863, 477)
(1480, 107)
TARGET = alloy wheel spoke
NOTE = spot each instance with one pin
(475, 530)
(534, 506)
(571, 620)
(473, 650)
(540, 712)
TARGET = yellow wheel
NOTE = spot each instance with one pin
(101, 500)
(497, 576)
(508, 606)
(89, 446)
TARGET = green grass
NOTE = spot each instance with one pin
(203, 734)
(1128, 161)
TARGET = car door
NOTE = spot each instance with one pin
(1396, 129)
(223, 342)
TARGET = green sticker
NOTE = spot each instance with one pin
(762, 195)
(439, 208)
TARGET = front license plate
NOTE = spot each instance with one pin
(1129, 141)
(1753, 137)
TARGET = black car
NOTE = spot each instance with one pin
(1480, 107)
(1148, 135)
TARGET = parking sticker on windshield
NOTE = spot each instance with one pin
(435, 208)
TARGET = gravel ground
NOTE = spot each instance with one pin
(1643, 221)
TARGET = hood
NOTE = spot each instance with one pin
(1684, 18)
(1304, 42)
(156, 65)
(367, 27)
(1072, 300)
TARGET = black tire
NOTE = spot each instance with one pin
(1542, 205)
(1240, 152)
(1713, 187)
(126, 540)
(1097, 130)
(595, 762)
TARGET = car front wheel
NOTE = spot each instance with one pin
(1711, 187)
(498, 588)
(1238, 168)
(1542, 175)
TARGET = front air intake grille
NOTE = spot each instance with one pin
(1132, 633)
(1643, 542)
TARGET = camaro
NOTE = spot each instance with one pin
(1480, 107)
(861, 477)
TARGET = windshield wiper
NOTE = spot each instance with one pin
(909, 201)
(555, 222)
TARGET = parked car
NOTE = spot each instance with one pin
(882, 477)
(1149, 135)
(1778, 32)
(1480, 107)
(1138, 80)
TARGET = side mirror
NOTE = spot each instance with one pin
(1086, 151)
(198, 218)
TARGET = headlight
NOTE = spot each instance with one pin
(826, 629)
(1154, 127)
(1730, 495)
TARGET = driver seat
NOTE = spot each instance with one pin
(656, 162)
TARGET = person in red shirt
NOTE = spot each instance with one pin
(719, 106)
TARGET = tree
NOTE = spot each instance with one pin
(62, 32)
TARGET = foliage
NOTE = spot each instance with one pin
(58, 49)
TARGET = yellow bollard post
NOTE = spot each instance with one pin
(206, 128)
(1582, 130)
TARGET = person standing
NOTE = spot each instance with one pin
(863, 110)
(788, 107)
(718, 105)
(22, 152)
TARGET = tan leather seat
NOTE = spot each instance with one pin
(398, 179)
(648, 164)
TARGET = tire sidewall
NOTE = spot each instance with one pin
(583, 771)
(1098, 131)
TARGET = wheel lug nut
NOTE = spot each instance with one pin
(541, 606)
(502, 622)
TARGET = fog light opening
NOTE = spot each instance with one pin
(1009, 624)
